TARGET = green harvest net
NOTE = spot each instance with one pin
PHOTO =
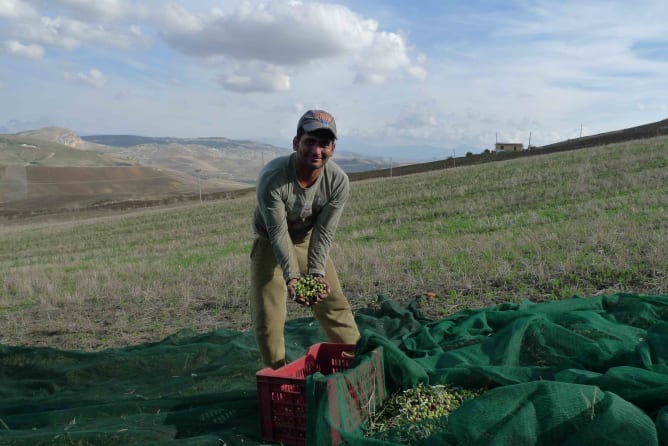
(583, 371)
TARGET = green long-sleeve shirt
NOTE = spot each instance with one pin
(287, 211)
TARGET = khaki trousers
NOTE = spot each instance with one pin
(268, 303)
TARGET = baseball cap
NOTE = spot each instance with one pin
(314, 120)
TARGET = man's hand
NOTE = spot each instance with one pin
(325, 288)
(292, 294)
(308, 290)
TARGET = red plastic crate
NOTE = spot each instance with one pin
(281, 392)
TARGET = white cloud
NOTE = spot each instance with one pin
(247, 79)
(285, 36)
(92, 78)
(98, 9)
(279, 33)
(660, 107)
(596, 51)
(538, 67)
(31, 51)
(386, 57)
(67, 31)
(15, 9)
(257, 46)
(417, 117)
(177, 21)
(56, 32)
(422, 122)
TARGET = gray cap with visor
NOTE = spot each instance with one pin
(314, 120)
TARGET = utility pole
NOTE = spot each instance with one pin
(580, 130)
(529, 146)
(453, 158)
(199, 183)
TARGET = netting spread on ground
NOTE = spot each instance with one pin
(578, 372)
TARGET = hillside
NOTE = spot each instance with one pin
(53, 168)
(57, 135)
(209, 159)
(50, 148)
(186, 168)
(577, 222)
(213, 157)
(641, 132)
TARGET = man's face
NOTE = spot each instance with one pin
(314, 149)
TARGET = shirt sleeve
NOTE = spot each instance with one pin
(273, 212)
(325, 224)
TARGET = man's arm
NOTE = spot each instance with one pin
(324, 227)
(274, 216)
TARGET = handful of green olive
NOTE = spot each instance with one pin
(309, 288)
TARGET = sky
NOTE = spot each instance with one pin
(405, 80)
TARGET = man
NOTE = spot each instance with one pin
(300, 198)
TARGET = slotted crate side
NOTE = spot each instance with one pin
(282, 392)
(342, 402)
(328, 358)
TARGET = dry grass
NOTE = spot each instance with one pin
(547, 227)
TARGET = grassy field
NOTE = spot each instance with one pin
(584, 222)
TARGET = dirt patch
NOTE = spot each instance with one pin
(13, 184)
(42, 187)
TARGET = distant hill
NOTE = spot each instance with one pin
(58, 135)
(244, 157)
(212, 160)
(214, 142)
(645, 131)
(52, 148)
(54, 167)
